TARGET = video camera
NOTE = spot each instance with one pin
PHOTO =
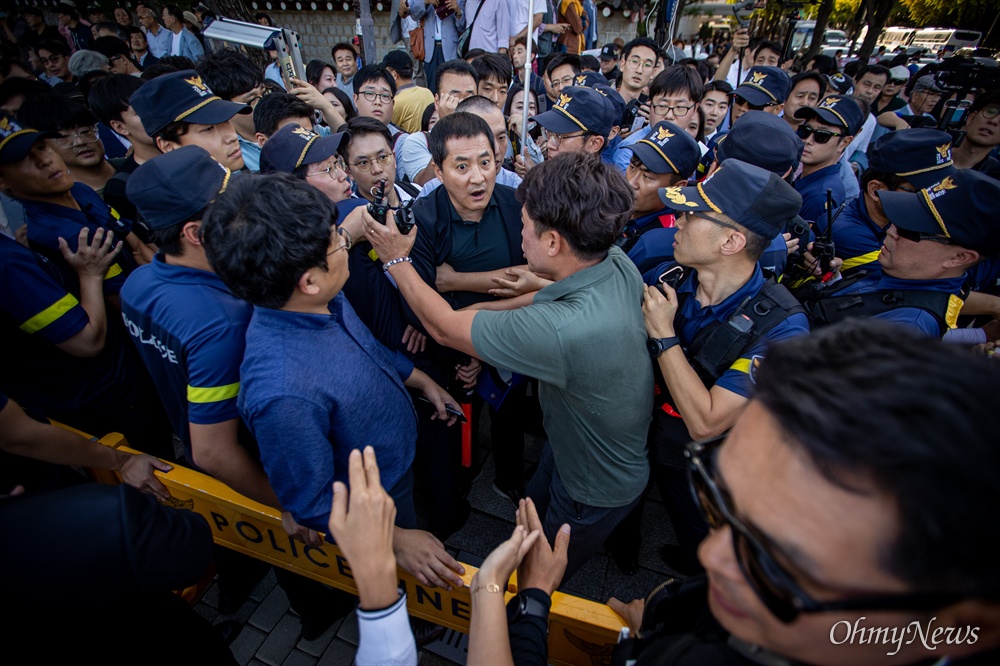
(960, 76)
(379, 209)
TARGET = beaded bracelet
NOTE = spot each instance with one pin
(393, 262)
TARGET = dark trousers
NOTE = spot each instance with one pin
(507, 437)
(589, 525)
(430, 68)
(685, 516)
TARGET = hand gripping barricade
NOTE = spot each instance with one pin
(580, 631)
(282, 40)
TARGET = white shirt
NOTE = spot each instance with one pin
(175, 44)
(862, 140)
(518, 15)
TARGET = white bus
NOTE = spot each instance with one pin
(802, 37)
(949, 39)
(895, 37)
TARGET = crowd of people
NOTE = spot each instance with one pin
(768, 290)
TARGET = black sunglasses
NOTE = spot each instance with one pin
(821, 135)
(753, 107)
(917, 236)
(774, 586)
(898, 82)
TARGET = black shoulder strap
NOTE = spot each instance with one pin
(630, 237)
(938, 304)
(408, 187)
(716, 348)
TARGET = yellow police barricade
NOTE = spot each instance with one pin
(580, 631)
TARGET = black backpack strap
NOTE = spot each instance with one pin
(718, 347)
(408, 187)
(630, 237)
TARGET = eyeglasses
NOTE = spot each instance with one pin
(260, 92)
(741, 101)
(53, 59)
(917, 236)
(331, 169)
(898, 82)
(371, 96)
(556, 139)
(819, 135)
(991, 111)
(84, 136)
(563, 82)
(679, 110)
(365, 165)
(635, 62)
(345, 241)
(771, 582)
(712, 219)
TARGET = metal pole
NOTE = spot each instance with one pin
(363, 12)
(527, 77)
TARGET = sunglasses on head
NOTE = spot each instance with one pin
(772, 583)
(917, 236)
(820, 135)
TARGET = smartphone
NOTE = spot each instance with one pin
(955, 112)
(448, 407)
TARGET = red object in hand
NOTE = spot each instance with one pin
(467, 435)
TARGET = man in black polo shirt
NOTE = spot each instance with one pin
(471, 231)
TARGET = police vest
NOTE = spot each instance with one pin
(826, 305)
(713, 351)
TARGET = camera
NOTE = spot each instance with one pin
(379, 209)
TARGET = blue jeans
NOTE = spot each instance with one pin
(589, 525)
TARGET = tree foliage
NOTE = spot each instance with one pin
(946, 13)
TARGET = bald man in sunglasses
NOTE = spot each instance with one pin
(841, 526)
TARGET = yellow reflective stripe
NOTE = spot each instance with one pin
(741, 365)
(113, 271)
(853, 262)
(954, 308)
(203, 394)
(50, 314)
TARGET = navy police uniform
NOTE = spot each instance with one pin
(843, 112)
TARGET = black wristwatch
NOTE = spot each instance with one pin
(656, 346)
(524, 606)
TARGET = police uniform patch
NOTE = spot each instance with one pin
(304, 133)
(828, 103)
(757, 77)
(564, 101)
(676, 197)
(663, 134)
(581, 80)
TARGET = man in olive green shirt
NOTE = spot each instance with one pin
(582, 336)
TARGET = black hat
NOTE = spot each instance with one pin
(757, 199)
(609, 52)
(578, 109)
(921, 155)
(397, 60)
(294, 146)
(836, 110)
(840, 82)
(180, 96)
(963, 206)
(16, 141)
(668, 149)
(613, 96)
(762, 139)
(764, 86)
(175, 186)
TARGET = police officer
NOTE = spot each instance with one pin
(665, 158)
(711, 316)
(827, 131)
(766, 141)
(898, 161)
(934, 237)
(764, 89)
(66, 354)
(190, 332)
(579, 122)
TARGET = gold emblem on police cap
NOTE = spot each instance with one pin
(304, 133)
(942, 187)
(581, 79)
(676, 197)
(4, 123)
(943, 153)
(197, 83)
(662, 134)
(758, 77)
(828, 103)
(564, 101)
